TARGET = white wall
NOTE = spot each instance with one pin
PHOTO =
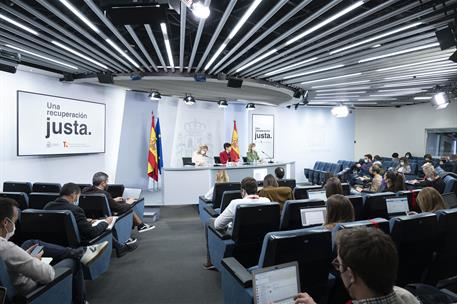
(56, 168)
(386, 130)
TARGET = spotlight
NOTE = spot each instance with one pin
(250, 107)
(155, 95)
(340, 111)
(189, 100)
(440, 100)
(199, 9)
(222, 103)
(305, 97)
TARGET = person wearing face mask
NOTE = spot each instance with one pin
(367, 163)
(199, 157)
(408, 155)
(117, 205)
(252, 154)
(26, 271)
(367, 262)
(69, 195)
(403, 166)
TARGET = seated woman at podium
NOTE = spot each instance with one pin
(199, 157)
(228, 155)
(252, 154)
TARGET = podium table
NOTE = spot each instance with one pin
(183, 185)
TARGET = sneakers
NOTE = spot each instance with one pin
(124, 249)
(93, 252)
(208, 266)
(131, 241)
(145, 227)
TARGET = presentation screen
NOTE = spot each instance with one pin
(52, 125)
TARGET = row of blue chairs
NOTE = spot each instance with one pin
(320, 171)
(115, 190)
(59, 227)
(427, 246)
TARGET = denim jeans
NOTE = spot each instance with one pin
(65, 257)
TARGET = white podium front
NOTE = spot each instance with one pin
(183, 185)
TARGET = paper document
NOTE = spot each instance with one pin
(96, 222)
(46, 260)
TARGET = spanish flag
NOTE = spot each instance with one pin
(153, 169)
(235, 146)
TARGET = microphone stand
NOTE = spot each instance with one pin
(268, 156)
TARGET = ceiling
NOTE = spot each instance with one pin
(363, 53)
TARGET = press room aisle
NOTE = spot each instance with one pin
(166, 267)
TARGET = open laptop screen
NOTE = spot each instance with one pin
(317, 194)
(277, 284)
(313, 216)
(397, 206)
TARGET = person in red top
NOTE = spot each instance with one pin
(228, 155)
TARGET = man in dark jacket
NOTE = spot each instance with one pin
(117, 205)
(69, 195)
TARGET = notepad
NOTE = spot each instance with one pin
(96, 222)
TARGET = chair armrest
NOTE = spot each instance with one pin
(128, 212)
(97, 239)
(60, 274)
(136, 202)
(243, 276)
(211, 211)
(223, 235)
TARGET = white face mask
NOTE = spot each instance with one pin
(253, 149)
(10, 234)
(402, 163)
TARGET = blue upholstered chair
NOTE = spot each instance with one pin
(17, 187)
(416, 238)
(244, 241)
(59, 227)
(215, 202)
(138, 208)
(450, 184)
(116, 190)
(311, 248)
(357, 203)
(375, 205)
(37, 200)
(291, 183)
(291, 217)
(57, 291)
(96, 206)
(46, 187)
(302, 191)
(380, 223)
(21, 198)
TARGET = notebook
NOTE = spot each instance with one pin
(397, 206)
(96, 222)
(276, 285)
(317, 194)
(313, 216)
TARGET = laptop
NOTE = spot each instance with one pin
(131, 192)
(276, 285)
(313, 216)
(317, 194)
(450, 200)
(397, 206)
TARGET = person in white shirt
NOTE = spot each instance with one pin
(199, 157)
(27, 271)
(225, 219)
(221, 177)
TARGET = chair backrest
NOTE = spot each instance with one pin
(38, 200)
(46, 187)
(445, 263)
(413, 166)
(346, 188)
(52, 226)
(116, 190)
(291, 216)
(17, 187)
(82, 186)
(357, 203)
(450, 184)
(20, 197)
(252, 222)
(94, 205)
(379, 223)
(302, 192)
(416, 240)
(387, 164)
(291, 183)
(220, 188)
(450, 199)
(217, 160)
(229, 196)
(187, 161)
(317, 165)
(375, 205)
(311, 248)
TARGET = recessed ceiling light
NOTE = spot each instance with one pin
(256, 60)
(314, 71)
(20, 25)
(331, 78)
(413, 64)
(290, 66)
(79, 54)
(418, 48)
(163, 27)
(120, 51)
(341, 84)
(78, 14)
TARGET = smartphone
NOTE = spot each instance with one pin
(36, 251)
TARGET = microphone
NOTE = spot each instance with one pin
(268, 156)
